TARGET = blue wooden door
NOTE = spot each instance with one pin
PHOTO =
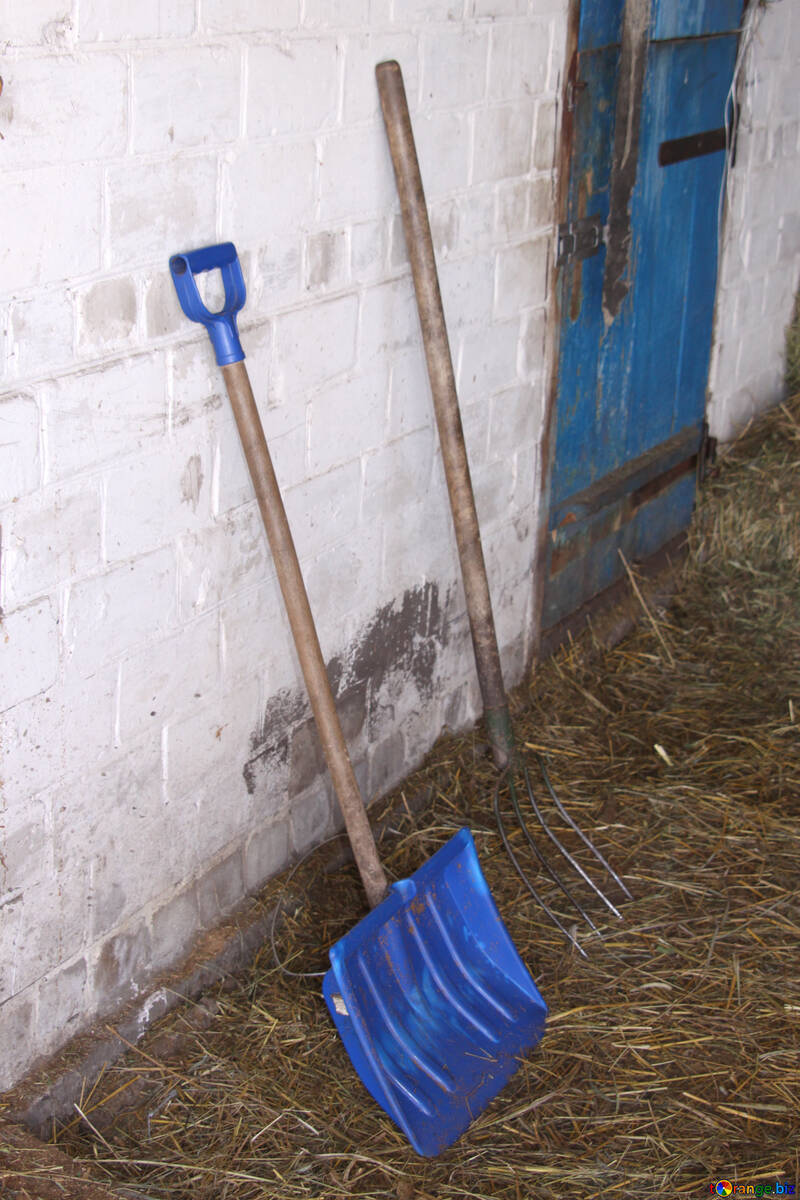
(648, 93)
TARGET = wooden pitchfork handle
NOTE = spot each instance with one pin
(224, 336)
(445, 402)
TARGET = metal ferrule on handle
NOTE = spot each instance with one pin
(301, 620)
(445, 400)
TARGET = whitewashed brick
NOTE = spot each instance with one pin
(220, 560)
(544, 138)
(107, 315)
(165, 679)
(40, 333)
(153, 498)
(323, 511)
(348, 419)
(428, 10)
(249, 646)
(498, 8)
(515, 421)
(20, 455)
(268, 191)
(187, 97)
(17, 1023)
(511, 208)
(159, 208)
(110, 614)
(308, 352)
(410, 402)
(342, 583)
(520, 52)
(266, 852)
(49, 538)
(488, 359)
(502, 141)
(250, 16)
(453, 68)
(442, 140)
(26, 846)
(285, 431)
(108, 20)
(532, 344)
(51, 225)
(48, 736)
(355, 174)
(36, 23)
(521, 280)
(29, 648)
(397, 473)
(467, 290)
(335, 14)
(362, 55)
(389, 320)
(62, 1002)
(277, 74)
(100, 415)
(367, 250)
(162, 312)
(476, 220)
(327, 259)
(196, 382)
(56, 115)
(444, 218)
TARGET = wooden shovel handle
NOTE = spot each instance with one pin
(445, 401)
(304, 632)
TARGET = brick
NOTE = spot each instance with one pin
(511, 208)
(56, 117)
(327, 259)
(97, 416)
(196, 383)
(281, 175)
(214, 563)
(475, 220)
(35, 23)
(396, 474)
(335, 14)
(265, 854)
(342, 583)
(367, 250)
(532, 344)
(389, 320)
(49, 538)
(29, 646)
(162, 312)
(107, 314)
(498, 8)
(157, 208)
(521, 278)
(494, 488)
(519, 56)
(310, 350)
(248, 644)
(62, 1003)
(154, 498)
(442, 140)
(121, 967)
(162, 680)
(362, 54)
(108, 20)
(410, 401)
(453, 68)
(355, 174)
(544, 139)
(186, 97)
(311, 818)
(285, 431)
(250, 16)
(51, 223)
(40, 333)
(51, 924)
(20, 461)
(348, 419)
(502, 142)
(444, 218)
(48, 737)
(279, 74)
(324, 511)
(515, 421)
(17, 1019)
(221, 888)
(173, 927)
(26, 845)
(467, 290)
(111, 613)
(428, 10)
(488, 359)
(387, 764)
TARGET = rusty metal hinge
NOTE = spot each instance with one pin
(579, 239)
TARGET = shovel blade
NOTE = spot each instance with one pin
(431, 999)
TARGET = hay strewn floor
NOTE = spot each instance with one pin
(672, 1056)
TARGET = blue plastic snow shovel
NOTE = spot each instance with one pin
(432, 1001)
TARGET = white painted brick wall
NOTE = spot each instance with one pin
(152, 716)
(760, 260)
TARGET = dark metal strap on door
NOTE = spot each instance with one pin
(694, 146)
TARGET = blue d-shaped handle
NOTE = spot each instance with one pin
(220, 325)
